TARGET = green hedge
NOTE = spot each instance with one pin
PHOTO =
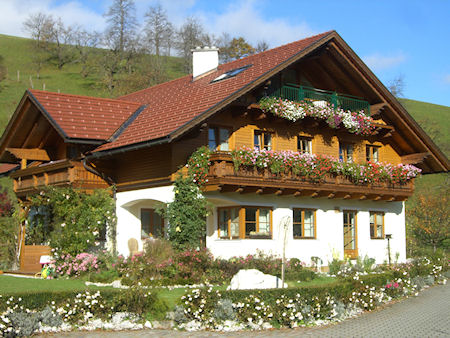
(340, 289)
(129, 300)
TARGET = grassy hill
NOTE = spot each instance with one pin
(17, 53)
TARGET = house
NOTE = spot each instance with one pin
(138, 143)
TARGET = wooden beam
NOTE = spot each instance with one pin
(414, 158)
(208, 188)
(298, 193)
(23, 163)
(376, 109)
(29, 154)
(331, 195)
(347, 197)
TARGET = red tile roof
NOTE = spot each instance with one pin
(175, 103)
(6, 167)
(84, 116)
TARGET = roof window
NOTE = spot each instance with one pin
(230, 73)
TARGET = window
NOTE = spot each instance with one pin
(257, 222)
(218, 138)
(304, 223)
(262, 140)
(372, 153)
(304, 144)
(245, 222)
(230, 73)
(346, 152)
(152, 224)
(376, 225)
(229, 223)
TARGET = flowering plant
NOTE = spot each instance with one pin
(355, 122)
(316, 167)
(75, 266)
(198, 164)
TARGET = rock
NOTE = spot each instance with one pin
(254, 279)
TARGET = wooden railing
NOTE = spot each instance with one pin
(60, 173)
(224, 177)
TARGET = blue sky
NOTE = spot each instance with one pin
(396, 37)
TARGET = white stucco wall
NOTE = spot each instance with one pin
(128, 210)
(329, 225)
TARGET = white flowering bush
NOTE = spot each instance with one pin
(25, 314)
(255, 309)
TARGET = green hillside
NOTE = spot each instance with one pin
(17, 54)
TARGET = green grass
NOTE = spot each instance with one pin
(17, 53)
(319, 281)
(11, 285)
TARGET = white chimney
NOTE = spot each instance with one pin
(204, 60)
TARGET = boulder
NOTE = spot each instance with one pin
(254, 279)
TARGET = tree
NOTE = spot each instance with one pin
(187, 215)
(397, 85)
(189, 36)
(261, 46)
(158, 29)
(428, 217)
(121, 31)
(85, 44)
(238, 48)
(38, 26)
(121, 39)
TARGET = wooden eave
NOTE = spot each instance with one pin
(404, 124)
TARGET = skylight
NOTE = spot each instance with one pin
(230, 73)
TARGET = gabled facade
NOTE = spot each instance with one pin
(139, 142)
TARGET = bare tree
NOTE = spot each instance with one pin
(261, 46)
(85, 44)
(158, 29)
(122, 24)
(61, 40)
(397, 85)
(223, 43)
(189, 36)
(38, 25)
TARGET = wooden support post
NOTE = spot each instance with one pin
(23, 163)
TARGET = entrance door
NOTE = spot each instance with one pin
(350, 234)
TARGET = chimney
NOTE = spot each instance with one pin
(204, 60)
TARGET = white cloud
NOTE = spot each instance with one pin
(15, 12)
(378, 62)
(244, 18)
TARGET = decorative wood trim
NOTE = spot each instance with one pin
(415, 158)
(29, 154)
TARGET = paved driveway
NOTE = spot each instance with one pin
(427, 315)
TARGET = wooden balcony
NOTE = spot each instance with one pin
(224, 178)
(59, 173)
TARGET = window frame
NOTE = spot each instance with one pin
(219, 209)
(374, 225)
(309, 142)
(370, 152)
(302, 210)
(151, 225)
(261, 139)
(217, 129)
(343, 151)
(242, 222)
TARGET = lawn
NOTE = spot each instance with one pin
(11, 285)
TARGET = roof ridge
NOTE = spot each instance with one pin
(220, 66)
(83, 96)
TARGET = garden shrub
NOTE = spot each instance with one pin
(187, 215)
(76, 221)
(9, 228)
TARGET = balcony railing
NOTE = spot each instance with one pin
(224, 177)
(59, 173)
(344, 101)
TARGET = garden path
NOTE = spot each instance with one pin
(427, 315)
